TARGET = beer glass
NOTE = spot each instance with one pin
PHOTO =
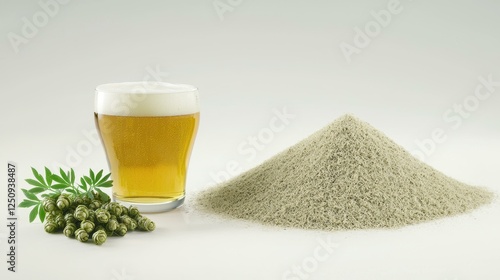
(148, 131)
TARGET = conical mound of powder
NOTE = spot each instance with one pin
(347, 175)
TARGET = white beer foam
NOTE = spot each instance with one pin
(146, 99)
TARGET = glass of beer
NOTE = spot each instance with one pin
(148, 131)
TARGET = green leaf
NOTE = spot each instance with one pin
(59, 179)
(34, 183)
(36, 190)
(103, 194)
(34, 212)
(71, 191)
(48, 176)
(98, 176)
(41, 214)
(92, 175)
(104, 179)
(72, 177)
(28, 203)
(64, 176)
(82, 181)
(88, 180)
(38, 177)
(107, 184)
(59, 186)
(30, 195)
(90, 195)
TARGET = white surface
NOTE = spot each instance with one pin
(265, 60)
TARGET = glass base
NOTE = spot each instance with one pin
(153, 207)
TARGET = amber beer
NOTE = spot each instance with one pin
(148, 131)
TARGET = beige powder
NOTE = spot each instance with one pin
(348, 175)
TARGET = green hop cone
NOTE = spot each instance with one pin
(114, 208)
(95, 204)
(130, 223)
(86, 200)
(81, 235)
(60, 221)
(49, 204)
(99, 237)
(63, 202)
(78, 200)
(50, 226)
(52, 215)
(69, 218)
(144, 223)
(102, 215)
(70, 229)
(87, 225)
(121, 230)
(91, 216)
(105, 206)
(112, 225)
(101, 227)
(81, 213)
(124, 210)
(133, 211)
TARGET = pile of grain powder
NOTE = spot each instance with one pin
(348, 175)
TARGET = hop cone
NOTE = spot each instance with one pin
(112, 225)
(133, 211)
(102, 215)
(50, 226)
(60, 221)
(81, 235)
(49, 204)
(146, 224)
(87, 225)
(69, 218)
(63, 202)
(70, 229)
(81, 213)
(99, 237)
(121, 230)
(130, 223)
(95, 204)
(114, 208)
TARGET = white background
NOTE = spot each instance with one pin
(249, 61)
